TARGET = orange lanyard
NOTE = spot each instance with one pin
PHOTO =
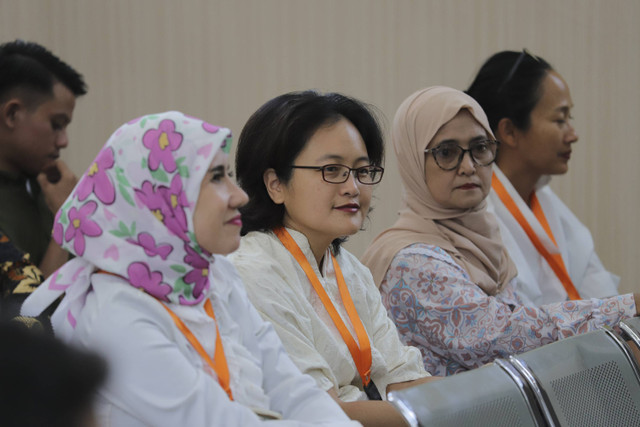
(536, 208)
(361, 354)
(554, 260)
(219, 362)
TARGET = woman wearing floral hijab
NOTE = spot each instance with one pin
(185, 346)
(443, 271)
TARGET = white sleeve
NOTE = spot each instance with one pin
(149, 376)
(589, 276)
(284, 309)
(292, 393)
(597, 281)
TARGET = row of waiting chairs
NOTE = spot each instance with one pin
(591, 379)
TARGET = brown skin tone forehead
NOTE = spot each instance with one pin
(63, 96)
(482, 133)
(555, 96)
(350, 131)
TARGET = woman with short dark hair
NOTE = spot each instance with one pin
(278, 132)
(529, 109)
(309, 163)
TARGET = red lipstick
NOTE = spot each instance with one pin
(349, 207)
(236, 220)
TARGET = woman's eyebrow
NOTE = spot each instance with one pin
(479, 138)
(219, 168)
(457, 141)
(338, 158)
(565, 109)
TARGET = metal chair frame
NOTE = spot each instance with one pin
(631, 330)
(400, 399)
(534, 392)
(541, 389)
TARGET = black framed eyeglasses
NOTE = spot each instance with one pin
(448, 155)
(515, 66)
(337, 174)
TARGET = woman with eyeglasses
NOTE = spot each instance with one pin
(444, 274)
(528, 105)
(309, 163)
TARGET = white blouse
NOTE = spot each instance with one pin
(156, 378)
(281, 292)
(535, 277)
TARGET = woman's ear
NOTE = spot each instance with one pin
(274, 186)
(506, 133)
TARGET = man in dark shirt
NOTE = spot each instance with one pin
(37, 97)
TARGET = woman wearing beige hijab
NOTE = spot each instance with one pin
(443, 272)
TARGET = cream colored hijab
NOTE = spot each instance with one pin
(470, 236)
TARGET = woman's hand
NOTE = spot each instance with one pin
(371, 413)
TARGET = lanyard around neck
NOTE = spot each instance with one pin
(554, 260)
(361, 354)
(219, 362)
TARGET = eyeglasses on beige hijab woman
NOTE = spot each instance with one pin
(443, 272)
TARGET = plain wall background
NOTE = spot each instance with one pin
(221, 59)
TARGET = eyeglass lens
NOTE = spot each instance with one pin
(449, 156)
(339, 173)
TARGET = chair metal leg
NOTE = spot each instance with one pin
(631, 328)
(540, 397)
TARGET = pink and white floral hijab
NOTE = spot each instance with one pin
(131, 214)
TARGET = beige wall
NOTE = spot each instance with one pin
(221, 59)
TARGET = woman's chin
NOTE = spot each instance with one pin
(346, 231)
(353, 229)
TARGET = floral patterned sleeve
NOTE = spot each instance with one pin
(18, 277)
(456, 326)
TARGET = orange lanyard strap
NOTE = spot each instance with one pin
(536, 208)
(554, 260)
(361, 354)
(219, 362)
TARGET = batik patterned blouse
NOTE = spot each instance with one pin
(457, 326)
(18, 277)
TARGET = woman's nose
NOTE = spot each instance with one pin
(351, 185)
(467, 165)
(238, 198)
(572, 135)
